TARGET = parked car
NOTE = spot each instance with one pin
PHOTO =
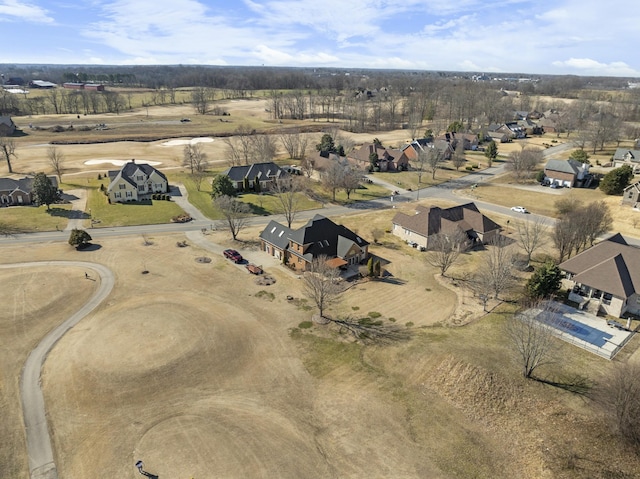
(233, 255)
(519, 209)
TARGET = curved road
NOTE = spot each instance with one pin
(39, 450)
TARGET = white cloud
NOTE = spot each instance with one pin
(587, 66)
(15, 10)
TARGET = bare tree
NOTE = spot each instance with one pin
(287, 191)
(239, 146)
(496, 270)
(351, 178)
(200, 99)
(433, 161)
(196, 160)
(618, 394)
(56, 160)
(235, 213)
(321, 284)
(458, 157)
(295, 143)
(332, 177)
(531, 336)
(445, 248)
(262, 149)
(8, 151)
(522, 163)
(531, 235)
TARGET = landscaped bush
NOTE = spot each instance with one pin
(468, 168)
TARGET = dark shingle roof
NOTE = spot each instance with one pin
(262, 171)
(320, 236)
(276, 234)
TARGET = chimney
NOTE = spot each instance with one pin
(133, 160)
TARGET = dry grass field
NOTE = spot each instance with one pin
(200, 372)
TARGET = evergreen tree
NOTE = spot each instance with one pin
(491, 152)
(222, 186)
(616, 180)
(545, 281)
(44, 192)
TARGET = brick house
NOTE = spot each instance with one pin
(135, 181)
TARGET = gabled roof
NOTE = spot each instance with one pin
(564, 166)
(320, 236)
(6, 120)
(276, 234)
(622, 154)
(262, 171)
(23, 184)
(633, 186)
(612, 266)
(128, 171)
(433, 220)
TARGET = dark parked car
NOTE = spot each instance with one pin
(233, 255)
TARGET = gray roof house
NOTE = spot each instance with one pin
(135, 181)
(265, 173)
(7, 126)
(319, 237)
(567, 173)
(631, 195)
(623, 156)
(606, 277)
(19, 191)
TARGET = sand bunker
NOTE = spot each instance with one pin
(119, 162)
(192, 141)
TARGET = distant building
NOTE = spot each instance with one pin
(41, 84)
(7, 126)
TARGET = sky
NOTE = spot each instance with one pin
(580, 37)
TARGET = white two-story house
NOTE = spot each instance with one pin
(135, 181)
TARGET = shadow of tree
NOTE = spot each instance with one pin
(576, 384)
(60, 212)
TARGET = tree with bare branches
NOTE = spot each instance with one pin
(618, 394)
(56, 160)
(531, 337)
(445, 248)
(295, 143)
(287, 191)
(433, 160)
(196, 160)
(321, 284)
(235, 213)
(522, 163)
(531, 235)
(8, 151)
(496, 270)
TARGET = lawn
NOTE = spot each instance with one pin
(149, 212)
(33, 219)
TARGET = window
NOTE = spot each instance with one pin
(118, 194)
(122, 186)
(139, 177)
(129, 194)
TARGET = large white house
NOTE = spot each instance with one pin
(135, 181)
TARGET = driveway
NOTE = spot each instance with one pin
(39, 450)
(77, 216)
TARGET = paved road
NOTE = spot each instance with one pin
(39, 450)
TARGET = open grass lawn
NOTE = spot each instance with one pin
(541, 202)
(33, 218)
(149, 212)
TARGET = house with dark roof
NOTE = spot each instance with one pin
(469, 140)
(247, 176)
(421, 228)
(631, 195)
(135, 181)
(413, 149)
(623, 156)
(19, 191)
(7, 126)
(606, 277)
(567, 173)
(389, 159)
(319, 237)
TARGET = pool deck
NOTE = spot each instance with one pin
(586, 330)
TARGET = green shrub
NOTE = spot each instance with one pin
(305, 324)
(468, 168)
(374, 314)
(409, 324)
